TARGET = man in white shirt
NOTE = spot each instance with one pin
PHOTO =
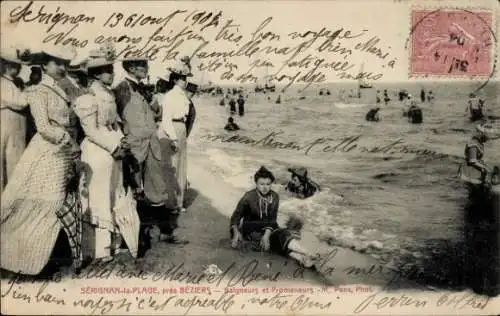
(13, 127)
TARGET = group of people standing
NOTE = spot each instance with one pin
(111, 163)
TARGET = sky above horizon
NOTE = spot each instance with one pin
(366, 36)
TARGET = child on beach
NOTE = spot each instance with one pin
(255, 219)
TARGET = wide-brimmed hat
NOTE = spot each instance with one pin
(180, 68)
(301, 172)
(78, 64)
(59, 52)
(104, 56)
(15, 55)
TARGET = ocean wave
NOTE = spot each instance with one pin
(350, 105)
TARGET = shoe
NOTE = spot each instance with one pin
(106, 259)
(144, 241)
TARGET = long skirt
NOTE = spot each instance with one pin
(29, 225)
(179, 162)
(103, 180)
(13, 142)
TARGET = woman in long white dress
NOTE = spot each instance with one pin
(175, 109)
(102, 151)
(37, 189)
(12, 104)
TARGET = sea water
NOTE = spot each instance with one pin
(397, 205)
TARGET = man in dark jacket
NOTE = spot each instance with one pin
(191, 88)
(150, 189)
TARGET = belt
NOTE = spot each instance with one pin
(179, 120)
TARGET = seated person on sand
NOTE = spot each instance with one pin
(255, 220)
(231, 125)
(300, 185)
(372, 115)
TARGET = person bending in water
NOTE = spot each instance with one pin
(300, 185)
(255, 219)
(474, 152)
(475, 108)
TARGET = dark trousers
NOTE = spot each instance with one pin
(164, 218)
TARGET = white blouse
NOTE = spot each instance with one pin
(11, 97)
(175, 106)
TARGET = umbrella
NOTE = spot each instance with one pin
(128, 221)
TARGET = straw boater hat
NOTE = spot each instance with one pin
(180, 68)
(15, 55)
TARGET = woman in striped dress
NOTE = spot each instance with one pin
(28, 222)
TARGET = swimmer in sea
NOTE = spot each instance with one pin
(475, 108)
(255, 220)
(300, 185)
(474, 152)
(231, 125)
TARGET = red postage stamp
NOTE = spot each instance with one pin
(454, 43)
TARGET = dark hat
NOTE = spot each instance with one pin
(300, 172)
(263, 172)
(191, 87)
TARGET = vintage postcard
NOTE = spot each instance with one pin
(250, 157)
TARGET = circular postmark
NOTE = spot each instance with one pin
(453, 43)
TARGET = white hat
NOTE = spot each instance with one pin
(163, 77)
(180, 68)
(14, 54)
(60, 52)
(105, 55)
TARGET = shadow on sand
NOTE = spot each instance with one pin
(472, 263)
